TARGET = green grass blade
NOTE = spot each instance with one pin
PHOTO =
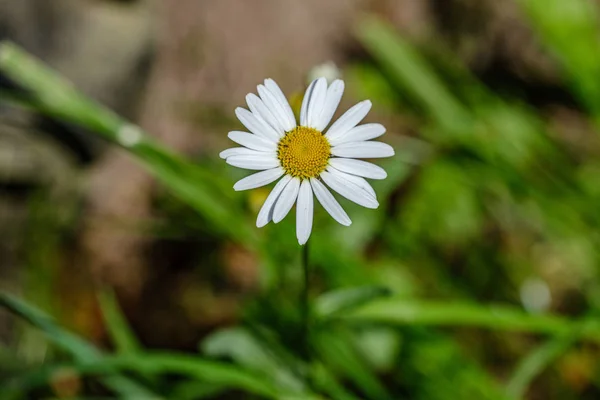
(213, 372)
(412, 73)
(535, 362)
(337, 350)
(79, 349)
(570, 30)
(123, 338)
(323, 379)
(400, 311)
(336, 301)
(90, 359)
(49, 93)
(249, 351)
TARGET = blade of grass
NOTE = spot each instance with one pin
(400, 311)
(89, 359)
(408, 70)
(118, 328)
(216, 374)
(337, 301)
(570, 30)
(324, 379)
(81, 350)
(539, 359)
(337, 350)
(194, 367)
(49, 93)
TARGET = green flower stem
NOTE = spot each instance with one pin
(305, 302)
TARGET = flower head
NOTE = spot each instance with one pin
(306, 157)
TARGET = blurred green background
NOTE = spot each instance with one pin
(129, 268)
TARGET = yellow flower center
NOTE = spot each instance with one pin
(304, 152)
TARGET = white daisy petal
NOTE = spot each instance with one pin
(239, 151)
(276, 108)
(332, 101)
(358, 167)
(259, 179)
(359, 134)
(259, 109)
(286, 200)
(349, 120)
(363, 150)
(329, 203)
(306, 102)
(349, 190)
(361, 182)
(304, 212)
(257, 126)
(266, 211)
(278, 93)
(256, 162)
(316, 102)
(253, 142)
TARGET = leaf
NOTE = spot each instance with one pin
(193, 390)
(380, 347)
(120, 332)
(412, 73)
(90, 359)
(570, 30)
(216, 375)
(323, 379)
(399, 311)
(434, 367)
(247, 350)
(340, 300)
(81, 350)
(536, 361)
(49, 93)
(335, 349)
(213, 372)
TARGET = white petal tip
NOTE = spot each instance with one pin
(239, 111)
(238, 188)
(373, 204)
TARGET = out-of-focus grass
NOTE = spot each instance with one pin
(570, 30)
(495, 198)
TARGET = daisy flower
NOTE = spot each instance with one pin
(306, 156)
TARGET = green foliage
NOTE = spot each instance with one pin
(88, 359)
